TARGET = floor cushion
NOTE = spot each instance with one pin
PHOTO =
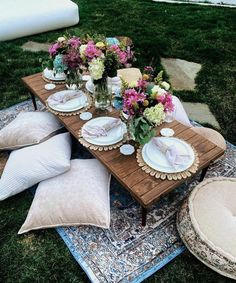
(213, 136)
(29, 128)
(3, 160)
(31, 165)
(78, 197)
(207, 224)
(129, 75)
(26, 17)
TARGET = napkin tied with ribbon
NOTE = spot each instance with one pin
(100, 131)
(62, 97)
(171, 152)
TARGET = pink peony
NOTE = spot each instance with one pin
(53, 49)
(92, 51)
(74, 42)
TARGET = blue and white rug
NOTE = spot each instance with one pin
(129, 252)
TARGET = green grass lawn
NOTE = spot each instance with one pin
(205, 35)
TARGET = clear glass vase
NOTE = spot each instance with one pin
(74, 80)
(102, 94)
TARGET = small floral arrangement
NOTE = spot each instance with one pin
(100, 56)
(145, 102)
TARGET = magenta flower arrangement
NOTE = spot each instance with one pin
(146, 104)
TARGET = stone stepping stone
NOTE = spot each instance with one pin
(221, 3)
(201, 113)
(35, 46)
(182, 73)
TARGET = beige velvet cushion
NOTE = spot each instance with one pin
(212, 135)
(130, 74)
(77, 197)
(212, 208)
(31, 165)
(27, 129)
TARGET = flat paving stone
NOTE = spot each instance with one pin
(201, 113)
(35, 46)
(182, 73)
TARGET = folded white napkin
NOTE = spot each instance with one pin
(99, 131)
(62, 97)
(115, 81)
(171, 152)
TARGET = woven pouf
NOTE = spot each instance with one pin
(207, 224)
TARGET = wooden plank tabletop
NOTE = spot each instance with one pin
(143, 187)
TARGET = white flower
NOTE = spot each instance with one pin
(82, 49)
(133, 84)
(165, 85)
(158, 90)
(96, 68)
(155, 114)
(61, 39)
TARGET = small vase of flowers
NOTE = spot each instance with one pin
(145, 103)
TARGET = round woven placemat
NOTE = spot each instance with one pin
(170, 176)
(73, 113)
(99, 147)
(53, 82)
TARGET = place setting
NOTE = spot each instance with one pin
(168, 158)
(69, 102)
(103, 133)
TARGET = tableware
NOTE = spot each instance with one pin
(53, 76)
(49, 86)
(71, 105)
(86, 77)
(85, 116)
(127, 149)
(157, 160)
(170, 116)
(113, 136)
(90, 87)
(167, 132)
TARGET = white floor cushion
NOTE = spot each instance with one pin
(27, 129)
(77, 197)
(26, 17)
(207, 224)
(31, 165)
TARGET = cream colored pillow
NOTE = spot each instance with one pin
(27, 129)
(78, 197)
(31, 165)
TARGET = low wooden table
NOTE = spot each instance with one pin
(143, 187)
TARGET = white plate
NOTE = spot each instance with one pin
(167, 132)
(114, 135)
(49, 74)
(157, 160)
(90, 87)
(71, 105)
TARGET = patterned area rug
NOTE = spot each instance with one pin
(221, 3)
(128, 252)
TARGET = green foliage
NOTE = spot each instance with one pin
(111, 64)
(142, 130)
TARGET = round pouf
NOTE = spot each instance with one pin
(207, 224)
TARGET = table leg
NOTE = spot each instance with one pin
(144, 216)
(34, 101)
(204, 170)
